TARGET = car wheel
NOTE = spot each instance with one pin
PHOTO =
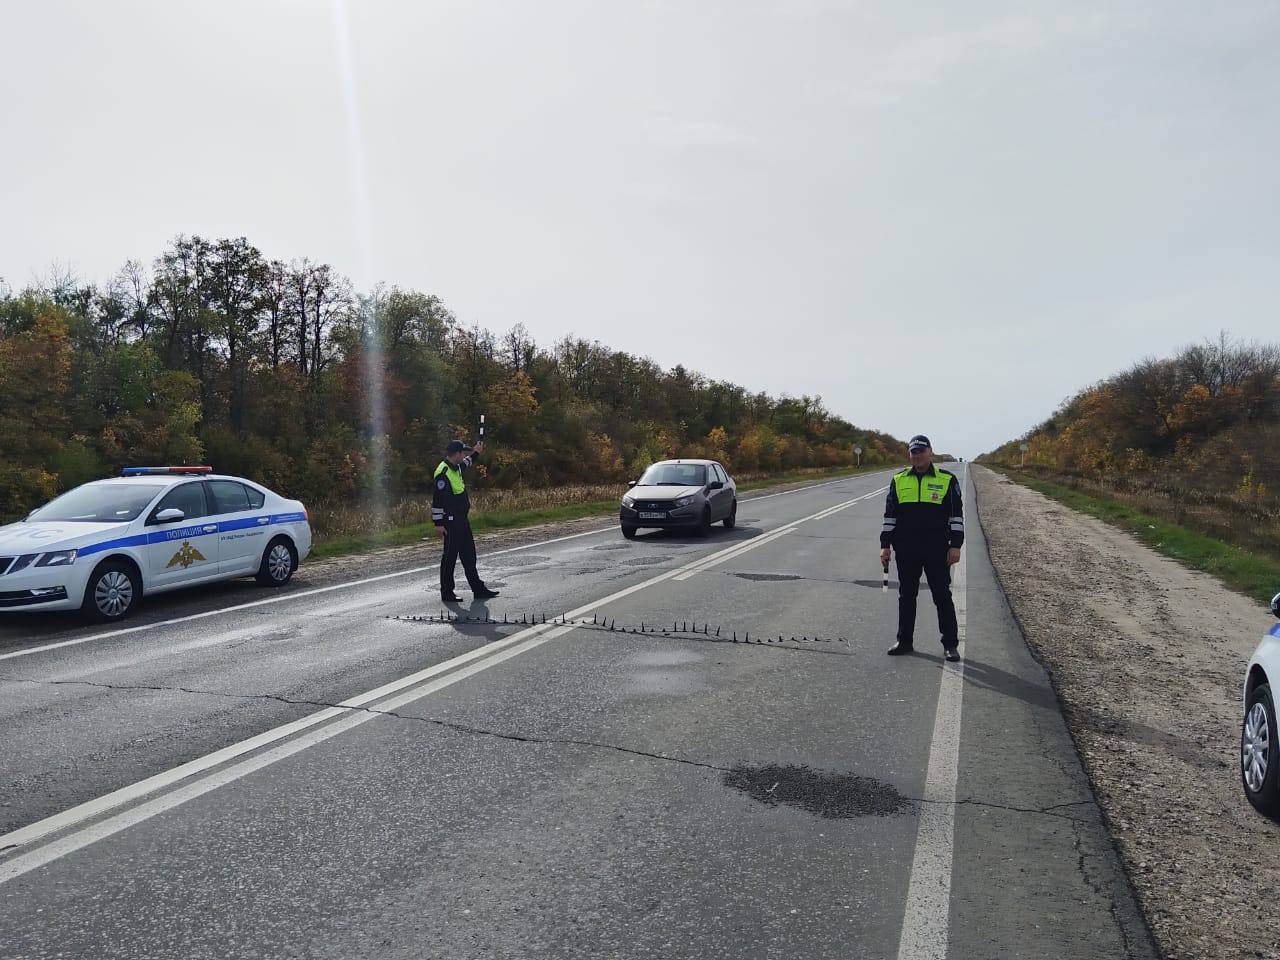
(732, 519)
(112, 592)
(279, 561)
(704, 526)
(629, 532)
(1260, 753)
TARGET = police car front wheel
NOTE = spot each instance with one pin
(278, 563)
(1260, 753)
(112, 592)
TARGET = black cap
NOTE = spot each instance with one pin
(455, 446)
(918, 442)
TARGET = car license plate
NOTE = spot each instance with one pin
(653, 516)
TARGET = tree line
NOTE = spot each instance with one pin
(1206, 419)
(285, 373)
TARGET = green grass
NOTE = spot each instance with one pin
(1255, 576)
(482, 520)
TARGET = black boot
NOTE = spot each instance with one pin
(484, 593)
(952, 654)
(899, 648)
(450, 597)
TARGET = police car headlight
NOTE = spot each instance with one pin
(57, 558)
(628, 502)
(684, 501)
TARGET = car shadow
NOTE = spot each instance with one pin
(718, 534)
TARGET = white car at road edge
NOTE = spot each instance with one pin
(1259, 744)
(101, 546)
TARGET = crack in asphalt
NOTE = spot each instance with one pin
(470, 729)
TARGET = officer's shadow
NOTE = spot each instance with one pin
(988, 677)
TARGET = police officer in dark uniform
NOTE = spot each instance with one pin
(924, 524)
(450, 506)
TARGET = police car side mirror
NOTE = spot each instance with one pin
(715, 485)
(1275, 605)
(171, 515)
(632, 483)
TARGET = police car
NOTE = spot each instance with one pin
(1259, 746)
(101, 546)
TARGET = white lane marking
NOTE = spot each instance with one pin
(926, 924)
(740, 549)
(465, 663)
(102, 829)
(123, 631)
(708, 562)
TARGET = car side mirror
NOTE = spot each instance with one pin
(33, 513)
(171, 515)
(632, 483)
(715, 485)
(1275, 605)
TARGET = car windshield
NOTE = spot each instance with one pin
(674, 475)
(100, 503)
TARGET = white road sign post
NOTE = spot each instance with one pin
(1023, 461)
(858, 451)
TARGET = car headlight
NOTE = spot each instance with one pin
(684, 501)
(628, 502)
(57, 558)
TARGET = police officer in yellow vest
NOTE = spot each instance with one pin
(924, 524)
(450, 507)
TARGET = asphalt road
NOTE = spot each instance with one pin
(328, 773)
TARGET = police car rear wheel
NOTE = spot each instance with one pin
(731, 520)
(112, 592)
(628, 532)
(278, 563)
(704, 527)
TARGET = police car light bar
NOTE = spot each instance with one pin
(154, 471)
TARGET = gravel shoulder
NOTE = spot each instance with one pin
(1148, 658)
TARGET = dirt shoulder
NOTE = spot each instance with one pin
(1148, 658)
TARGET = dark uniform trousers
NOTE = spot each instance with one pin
(927, 556)
(459, 543)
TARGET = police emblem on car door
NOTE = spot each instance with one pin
(186, 549)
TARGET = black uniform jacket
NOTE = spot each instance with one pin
(445, 504)
(924, 523)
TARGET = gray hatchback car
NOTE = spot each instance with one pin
(692, 494)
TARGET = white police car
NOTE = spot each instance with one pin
(1259, 745)
(103, 545)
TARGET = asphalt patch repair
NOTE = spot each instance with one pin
(832, 796)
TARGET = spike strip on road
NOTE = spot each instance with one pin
(680, 630)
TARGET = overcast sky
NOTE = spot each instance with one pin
(942, 217)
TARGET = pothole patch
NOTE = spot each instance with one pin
(643, 561)
(832, 796)
(768, 577)
(893, 584)
(518, 560)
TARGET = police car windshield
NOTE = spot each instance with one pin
(674, 475)
(100, 503)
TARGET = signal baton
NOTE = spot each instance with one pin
(884, 587)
